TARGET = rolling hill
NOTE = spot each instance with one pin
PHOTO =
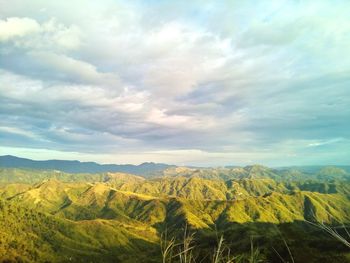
(55, 216)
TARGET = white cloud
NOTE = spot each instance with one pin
(50, 35)
(13, 27)
(233, 78)
(63, 36)
(18, 131)
(316, 143)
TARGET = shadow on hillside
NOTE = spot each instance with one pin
(305, 242)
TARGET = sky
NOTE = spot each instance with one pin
(207, 83)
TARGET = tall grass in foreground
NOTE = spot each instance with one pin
(184, 251)
(333, 232)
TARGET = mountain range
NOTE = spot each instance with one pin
(10, 161)
(49, 215)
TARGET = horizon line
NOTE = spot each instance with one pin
(188, 166)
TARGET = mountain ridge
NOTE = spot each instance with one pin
(74, 166)
(121, 217)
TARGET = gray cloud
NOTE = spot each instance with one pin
(213, 81)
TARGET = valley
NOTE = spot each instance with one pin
(54, 216)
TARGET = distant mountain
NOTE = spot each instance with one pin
(314, 168)
(145, 169)
(323, 173)
(90, 171)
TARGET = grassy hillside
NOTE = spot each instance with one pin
(116, 217)
(30, 176)
(34, 236)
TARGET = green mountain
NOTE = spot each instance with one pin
(51, 216)
(31, 236)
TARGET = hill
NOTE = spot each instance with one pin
(99, 200)
(31, 236)
(54, 216)
(150, 169)
(8, 161)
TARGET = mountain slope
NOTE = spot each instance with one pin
(8, 161)
(85, 201)
(119, 217)
(28, 235)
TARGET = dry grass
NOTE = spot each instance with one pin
(184, 251)
(334, 233)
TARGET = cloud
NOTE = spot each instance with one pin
(17, 131)
(325, 142)
(72, 70)
(27, 33)
(13, 27)
(207, 82)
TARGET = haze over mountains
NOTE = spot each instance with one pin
(144, 169)
(80, 167)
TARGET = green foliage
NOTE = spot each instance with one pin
(58, 217)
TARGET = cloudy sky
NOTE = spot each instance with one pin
(182, 82)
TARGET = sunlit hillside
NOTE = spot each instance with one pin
(174, 131)
(112, 217)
